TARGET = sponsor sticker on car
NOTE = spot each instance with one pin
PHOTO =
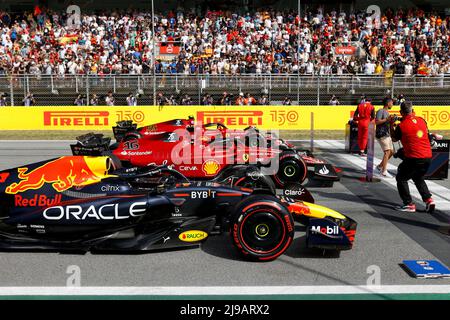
(192, 236)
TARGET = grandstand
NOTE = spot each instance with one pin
(261, 47)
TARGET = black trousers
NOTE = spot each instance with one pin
(413, 169)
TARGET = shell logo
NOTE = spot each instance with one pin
(210, 167)
(420, 134)
(192, 235)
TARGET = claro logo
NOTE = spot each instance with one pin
(192, 236)
(76, 118)
(232, 118)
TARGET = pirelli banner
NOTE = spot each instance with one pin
(265, 117)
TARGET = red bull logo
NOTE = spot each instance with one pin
(299, 208)
(62, 174)
(37, 201)
(4, 176)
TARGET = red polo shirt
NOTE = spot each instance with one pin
(413, 133)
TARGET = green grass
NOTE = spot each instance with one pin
(70, 135)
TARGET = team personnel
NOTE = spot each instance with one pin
(364, 114)
(413, 133)
(382, 120)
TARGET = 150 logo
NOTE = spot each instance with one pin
(135, 116)
(436, 117)
(283, 117)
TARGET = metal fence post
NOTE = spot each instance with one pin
(11, 91)
(199, 84)
(24, 86)
(138, 83)
(393, 87)
(87, 89)
(176, 82)
(52, 85)
(318, 90)
(312, 132)
(289, 83)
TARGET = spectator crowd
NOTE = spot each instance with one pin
(405, 42)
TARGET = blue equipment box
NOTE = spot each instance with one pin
(426, 269)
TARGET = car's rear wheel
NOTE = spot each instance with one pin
(131, 136)
(261, 183)
(262, 228)
(291, 170)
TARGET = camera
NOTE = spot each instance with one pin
(400, 154)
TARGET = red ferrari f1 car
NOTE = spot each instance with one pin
(208, 151)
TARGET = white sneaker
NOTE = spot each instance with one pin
(386, 174)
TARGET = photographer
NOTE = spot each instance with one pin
(29, 100)
(131, 100)
(226, 99)
(287, 101)
(94, 100)
(109, 99)
(79, 101)
(207, 100)
(334, 101)
(186, 100)
(416, 155)
(3, 102)
(382, 120)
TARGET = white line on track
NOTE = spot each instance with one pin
(440, 193)
(253, 290)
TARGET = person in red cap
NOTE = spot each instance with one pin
(364, 114)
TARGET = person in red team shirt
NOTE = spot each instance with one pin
(413, 133)
(363, 115)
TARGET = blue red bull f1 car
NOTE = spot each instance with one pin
(92, 203)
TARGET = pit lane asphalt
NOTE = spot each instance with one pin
(384, 238)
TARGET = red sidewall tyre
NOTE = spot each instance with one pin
(292, 169)
(262, 228)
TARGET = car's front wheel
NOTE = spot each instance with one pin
(262, 228)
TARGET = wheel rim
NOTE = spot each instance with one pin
(289, 171)
(262, 232)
